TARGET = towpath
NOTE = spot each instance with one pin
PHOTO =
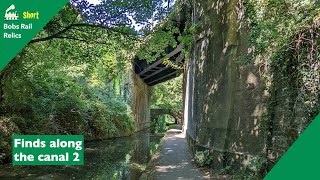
(175, 162)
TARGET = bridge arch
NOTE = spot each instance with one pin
(177, 115)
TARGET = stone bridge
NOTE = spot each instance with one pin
(177, 115)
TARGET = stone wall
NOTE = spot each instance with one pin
(140, 102)
(224, 99)
(243, 111)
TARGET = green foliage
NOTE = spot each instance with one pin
(256, 163)
(225, 170)
(252, 171)
(119, 13)
(245, 176)
(72, 78)
(7, 128)
(274, 22)
(172, 126)
(162, 123)
(159, 125)
(171, 64)
(169, 119)
(187, 37)
(64, 87)
(284, 39)
(168, 95)
(165, 36)
(157, 44)
(154, 146)
(203, 158)
(111, 118)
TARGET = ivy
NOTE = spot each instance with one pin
(284, 38)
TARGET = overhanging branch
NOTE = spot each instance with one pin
(58, 34)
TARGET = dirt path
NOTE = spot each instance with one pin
(175, 161)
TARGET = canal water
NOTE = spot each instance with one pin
(116, 159)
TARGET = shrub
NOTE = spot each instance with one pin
(203, 158)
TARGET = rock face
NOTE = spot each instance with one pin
(224, 99)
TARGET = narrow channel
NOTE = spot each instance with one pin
(119, 158)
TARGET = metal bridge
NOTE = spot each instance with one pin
(156, 72)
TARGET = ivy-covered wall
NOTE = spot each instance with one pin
(294, 99)
(247, 109)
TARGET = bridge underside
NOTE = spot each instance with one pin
(157, 72)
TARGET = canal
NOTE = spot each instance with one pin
(116, 159)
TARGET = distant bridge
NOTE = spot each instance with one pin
(177, 115)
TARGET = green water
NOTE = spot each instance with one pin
(121, 158)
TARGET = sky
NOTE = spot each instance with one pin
(95, 2)
(136, 26)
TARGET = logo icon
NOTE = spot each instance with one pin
(11, 15)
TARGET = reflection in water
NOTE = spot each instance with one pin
(140, 156)
(121, 158)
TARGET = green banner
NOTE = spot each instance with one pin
(20, 22)
(47, 150)
(302, 159)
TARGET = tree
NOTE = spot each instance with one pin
(168, 95)
(115, 17)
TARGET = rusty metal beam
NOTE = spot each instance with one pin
(172, 53)
(170, 74)
(178, 60)
(157, 72)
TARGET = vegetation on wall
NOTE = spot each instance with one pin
(284, 41)
(203, 158)
(284, 47)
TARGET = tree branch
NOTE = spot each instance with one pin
(54, 35)
(57, 35)
(81, 40)
(51, 36)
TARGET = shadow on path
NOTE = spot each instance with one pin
(175, 161)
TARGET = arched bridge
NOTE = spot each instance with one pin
(177, 115)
